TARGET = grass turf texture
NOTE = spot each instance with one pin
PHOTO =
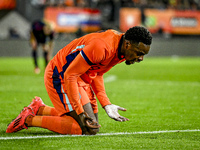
(159, 94)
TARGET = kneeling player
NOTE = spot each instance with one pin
(75, 74)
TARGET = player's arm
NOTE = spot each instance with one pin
(91, 54)
(99, 90)
(111, 109)
(70, 78)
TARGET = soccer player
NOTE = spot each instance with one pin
(75, 75)
(42, 32)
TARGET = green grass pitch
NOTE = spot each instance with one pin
(160, 94)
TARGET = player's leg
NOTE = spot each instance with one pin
(59, 124)
(34, 46)
(63, 123)
(45, 49)
(40, 109)
(88, 101)
(59, 99)
(47, 111)
(55, 88)
(49, 48)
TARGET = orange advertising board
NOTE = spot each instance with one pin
(70, 19)
(7, 4)
(169, 21)
(157, 19)
(128, 18)
(186, 22)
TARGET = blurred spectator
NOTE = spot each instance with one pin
(128, 3)
(193, 4)
(143, 5)
(159, 4)
(163, 4)
(107, 9)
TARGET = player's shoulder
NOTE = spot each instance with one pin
(111, 38)
(110, 33)
(116, 32)
(104, 36)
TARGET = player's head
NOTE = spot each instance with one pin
(136, 44)
(138, 34)
(48, 27)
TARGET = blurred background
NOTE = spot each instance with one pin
(175, 24)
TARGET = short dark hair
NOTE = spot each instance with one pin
(139, 34)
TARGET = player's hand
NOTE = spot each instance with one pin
(88, 123)
(112, 111)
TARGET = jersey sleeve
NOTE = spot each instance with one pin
(70, 78)
(99, 90)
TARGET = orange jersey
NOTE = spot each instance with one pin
(84, 61)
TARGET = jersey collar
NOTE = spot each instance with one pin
(120, 56)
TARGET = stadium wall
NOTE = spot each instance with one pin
(180, 46)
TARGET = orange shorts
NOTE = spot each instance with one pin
(58, 94)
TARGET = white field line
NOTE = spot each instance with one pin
(100, 134)
(110, 78)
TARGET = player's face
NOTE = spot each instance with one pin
(135, 52)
